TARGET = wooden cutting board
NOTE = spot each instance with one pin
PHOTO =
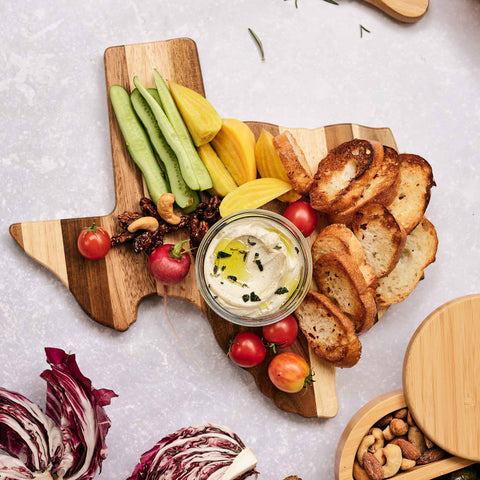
(110, 290)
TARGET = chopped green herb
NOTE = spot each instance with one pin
(215, 269)
(333, 2)
(277, 247)
(281, 290)
(233, 278)
(245, 257)
(251, 242)
(259, 42)
(246, 297)
(257, 255)
(215, 297)
(254, 297)
(363, 29)
(297, 250)
(223, 268)
(259, 265)
(222, 254)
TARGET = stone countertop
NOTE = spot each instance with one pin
(421, 80)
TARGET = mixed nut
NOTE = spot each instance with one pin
(393, 444)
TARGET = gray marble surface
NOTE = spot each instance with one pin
(421, 80)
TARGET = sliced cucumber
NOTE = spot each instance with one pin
(138, 144)
(184, 196)
(170, 136)
(176, 120)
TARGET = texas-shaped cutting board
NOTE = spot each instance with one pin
(109, 290)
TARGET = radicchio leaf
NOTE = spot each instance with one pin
(193, 453)
(69, 440)
(78, 408)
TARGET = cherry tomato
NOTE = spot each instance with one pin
(282, 333)
(302, 215)
(289, 372)
(247, 350)
(93, 242)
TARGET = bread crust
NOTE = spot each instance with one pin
(329, 332)
(294, 161)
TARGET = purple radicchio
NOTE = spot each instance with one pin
(68, 441)
(202, 452)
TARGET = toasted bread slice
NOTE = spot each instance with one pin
(328, 331)
(379, 180)
(338, 277)
(413, 195)
(294, 161)
(338, 170)
(381, 237)
(419, 252)
(339, 238)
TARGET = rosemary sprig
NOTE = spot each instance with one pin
(363, 29)
(258, 42)
(333, 2)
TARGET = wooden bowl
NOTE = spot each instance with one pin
(359, 426)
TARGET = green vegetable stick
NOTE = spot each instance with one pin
(170, 136)
(138, 145)
(176, 120)
(184, 196)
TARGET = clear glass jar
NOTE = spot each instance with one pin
(260, 311)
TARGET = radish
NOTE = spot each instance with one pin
(169, 263)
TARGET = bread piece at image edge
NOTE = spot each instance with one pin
(294, 161)
(336, 172)
(339, 238)
(381, 237)
(419, 252)
(328, 331)
(413, 195)
(338, 277)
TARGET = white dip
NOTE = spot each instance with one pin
(252, 268)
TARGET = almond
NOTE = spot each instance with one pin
(409, 450)
(372, 467)
(402, 413)
(385, 421)
(430, 455)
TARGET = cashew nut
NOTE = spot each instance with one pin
(144, 223)
(380, 456)
(359, 473)
(416, 437)
(379, 440)
(398, 427)
(387, 434)
(366, 443)
(165, 208)
(393, 456)
(407, 464)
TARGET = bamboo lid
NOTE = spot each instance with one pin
(441, 377)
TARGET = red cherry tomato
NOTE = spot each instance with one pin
(289, 372)
(247, 350)
(282, 333)
(93, 242)
(302, 215)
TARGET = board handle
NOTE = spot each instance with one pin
(408, 11)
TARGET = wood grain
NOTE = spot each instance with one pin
(359, 426)
(441, 377)
(110, 290)
(408, 11)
